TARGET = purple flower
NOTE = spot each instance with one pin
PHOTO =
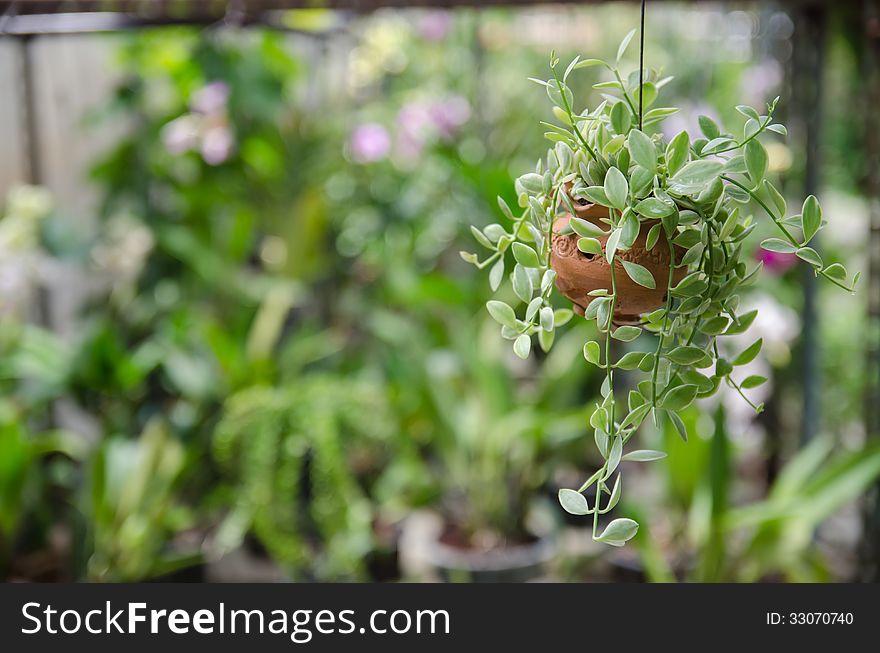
(435, 25)
(211, 98)
(450, 114)
(776, 262)
(369, 142)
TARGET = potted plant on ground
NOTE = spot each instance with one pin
(642, 235)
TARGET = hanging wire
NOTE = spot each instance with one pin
(641, 62)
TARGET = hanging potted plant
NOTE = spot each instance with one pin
(642, 235)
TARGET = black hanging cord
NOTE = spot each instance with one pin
(641, 62)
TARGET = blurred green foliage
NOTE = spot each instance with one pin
(283, 350)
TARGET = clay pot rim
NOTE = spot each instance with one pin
(595, 213)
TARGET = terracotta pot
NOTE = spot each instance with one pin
(578, 274)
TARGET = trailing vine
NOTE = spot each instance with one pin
(692, 197)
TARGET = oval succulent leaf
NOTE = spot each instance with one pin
(574, 502)
(522, 346)
(502, 313)
(616, 188)
(651, 207)
(639, 274)
(749, 353)
(586, 229)
(679, 398)
(756, 161)
(642, 150)
(644, 455)
(619, 532)
(525, 255)
(812, 217)
(778, 245)
(589, 246)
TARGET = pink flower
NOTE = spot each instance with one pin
(776, 262)
(211, 98)
(449, 115)
(369, 142)
(216, 145)
(181, 134)
(435, 25)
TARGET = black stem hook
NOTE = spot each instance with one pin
(641, 62)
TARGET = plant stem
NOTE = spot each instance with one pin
(625, 94)
(665, 320)
(791, 239)
(568, 111)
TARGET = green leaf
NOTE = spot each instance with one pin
(753, 381)
(614, 457)
(749, 353)
(586, 229)
(561, 316)
(677, 152)
(621, 118)
(496, 274)
(708, 127)
(651, 207)
(778, 245)
(775, 196)
(812, 214)
(586, 63)
(836, 271)
(715, 326)
(574, 502)
(611, 245)
(480, 238)
(686, 355)
(545, 339)
(522, 283)
(624, 44)
(630, 360)
(653, 236)
(589, 246)
(678, 424)
(679, 398)
(748, 111)
(629, 230)
(626, 333)
(502, 313)
(756, 161)
(619, 532)
(694, 176)
(532, 308)
(642, 150)
(522, 346)
(616, 188)
(644, 455)
(639, 274)
(525, 255)
(547, 318)
(614, 498)
(505, 209)
(596, 194)
(591, 352)
(810, 255)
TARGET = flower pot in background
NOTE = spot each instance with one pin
(431, 550)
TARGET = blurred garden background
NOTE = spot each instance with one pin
(237, 341)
